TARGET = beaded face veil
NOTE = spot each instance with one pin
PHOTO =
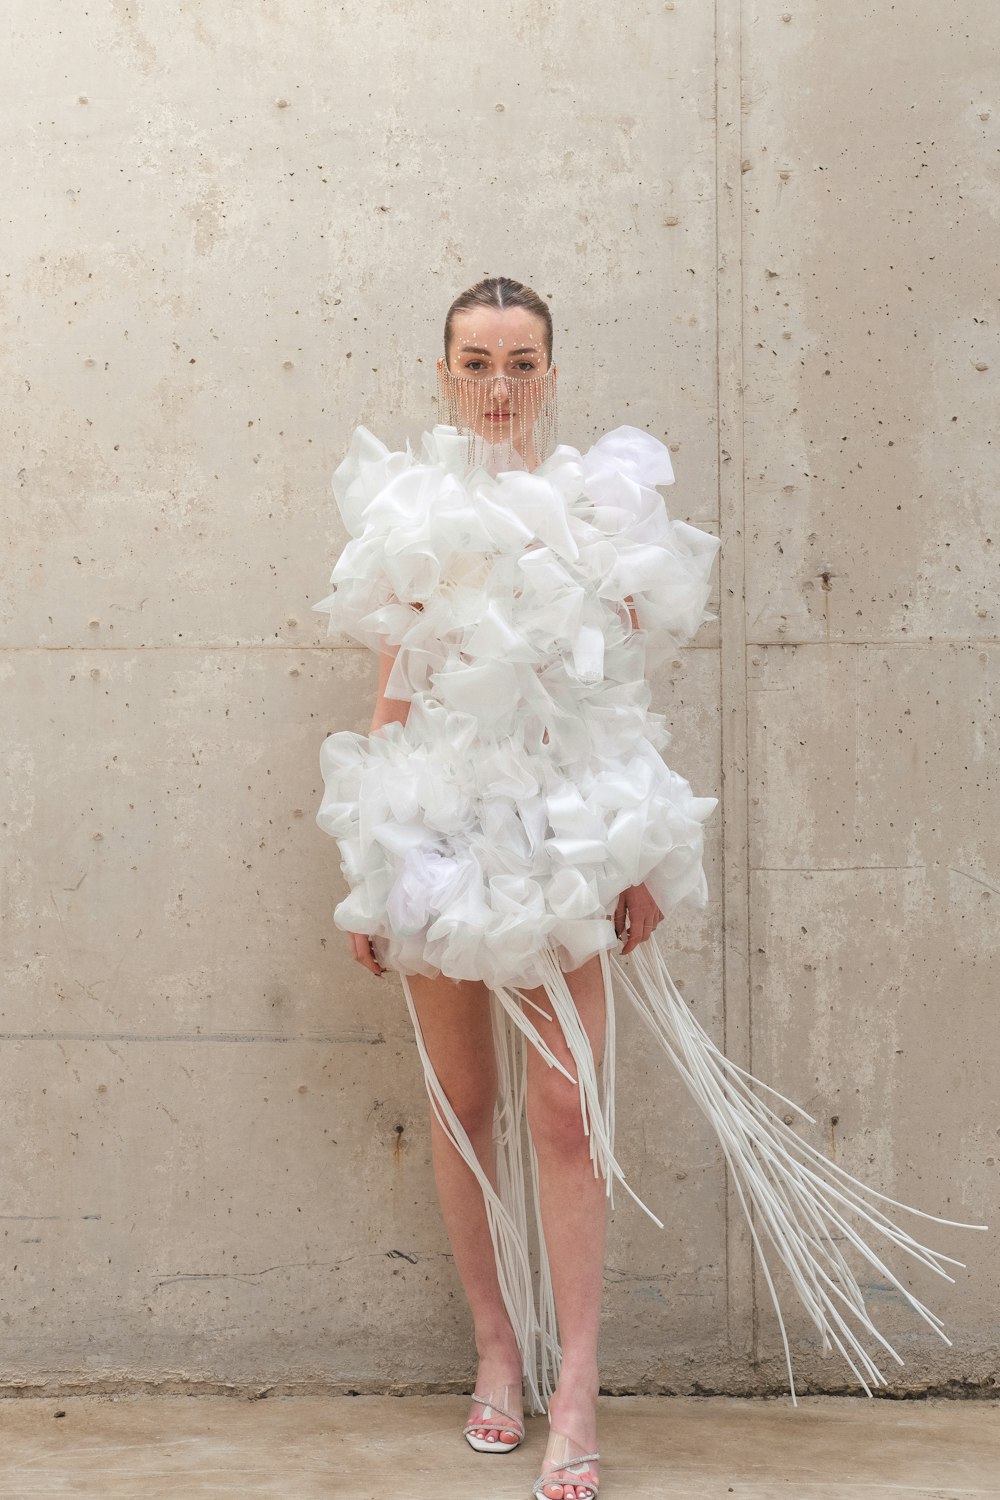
(503, 400)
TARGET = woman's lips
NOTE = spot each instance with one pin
(500, 416)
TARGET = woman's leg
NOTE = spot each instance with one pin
(574, 1210)
(455, 1021)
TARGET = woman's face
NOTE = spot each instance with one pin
(498, 355)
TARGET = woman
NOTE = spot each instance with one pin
(508, 824)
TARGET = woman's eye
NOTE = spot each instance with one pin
(521, 367)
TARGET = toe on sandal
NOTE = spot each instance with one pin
(565, 1463)
(496, 1403)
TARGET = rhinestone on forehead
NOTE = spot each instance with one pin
(500, 343)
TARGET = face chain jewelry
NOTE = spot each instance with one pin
(509, 420)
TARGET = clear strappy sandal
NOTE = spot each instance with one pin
(567, 1464)
(496, 1402)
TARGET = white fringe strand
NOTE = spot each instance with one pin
(795, 1194)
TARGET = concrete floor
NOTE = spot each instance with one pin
(374, 1448)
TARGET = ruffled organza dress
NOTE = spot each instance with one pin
(490, 836)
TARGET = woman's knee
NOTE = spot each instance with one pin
(554, 1115)
(471, 1090)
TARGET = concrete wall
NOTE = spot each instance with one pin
(767, 234)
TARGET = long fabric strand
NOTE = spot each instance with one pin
(797, 1192)
(797, 1196)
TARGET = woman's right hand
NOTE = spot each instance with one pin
(364, 953)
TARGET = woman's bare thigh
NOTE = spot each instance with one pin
(457, 1029)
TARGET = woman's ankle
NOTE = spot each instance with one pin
(578, 1380)
(493, 1342)
(578, 1367)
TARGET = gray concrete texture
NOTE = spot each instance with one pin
(372, 1447)
(767, 234)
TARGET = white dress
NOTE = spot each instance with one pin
(491, 835)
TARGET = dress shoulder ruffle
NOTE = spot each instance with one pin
(417, 520)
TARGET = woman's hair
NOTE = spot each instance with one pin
(501, 292)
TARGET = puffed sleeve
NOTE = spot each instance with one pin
(664, 566)
(376, 578)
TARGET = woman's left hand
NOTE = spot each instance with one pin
(637, 911)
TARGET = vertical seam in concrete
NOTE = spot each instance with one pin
(736, 998)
